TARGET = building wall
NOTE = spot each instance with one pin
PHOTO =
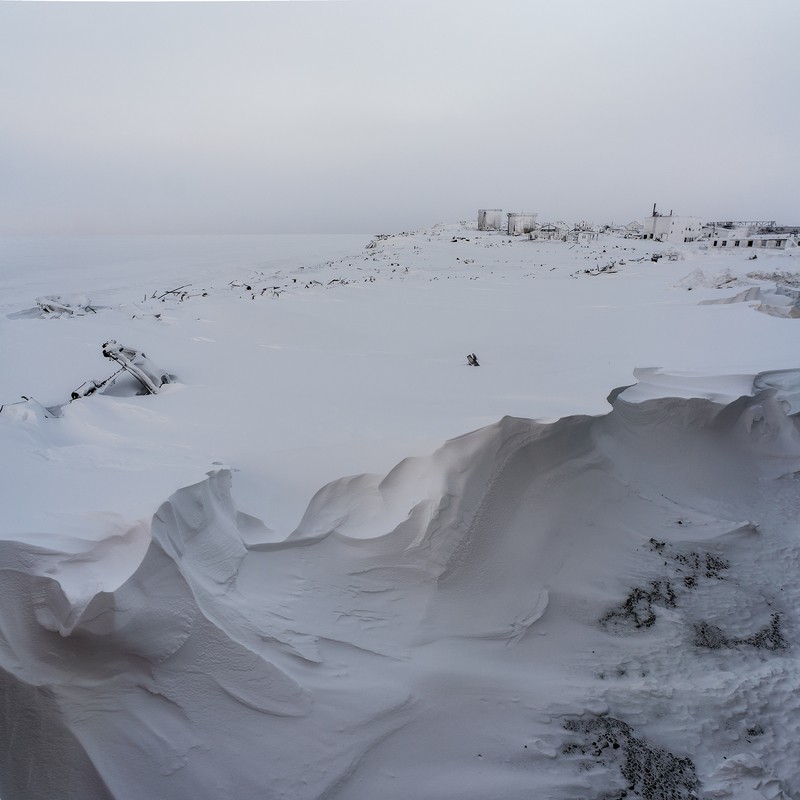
(724, 241)
(559, 234)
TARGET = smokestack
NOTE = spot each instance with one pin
(654, 209)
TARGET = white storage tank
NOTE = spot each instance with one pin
(490, 219)
(519, 223)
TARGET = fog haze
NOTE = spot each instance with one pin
(377, 116)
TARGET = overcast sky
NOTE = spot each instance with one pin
(372, 115)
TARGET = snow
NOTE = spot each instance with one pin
(330, 558)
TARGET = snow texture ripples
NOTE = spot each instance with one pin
(524, 613)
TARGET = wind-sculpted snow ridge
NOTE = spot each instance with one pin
(466, 626)
(780, 302)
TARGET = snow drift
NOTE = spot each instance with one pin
(521, 613)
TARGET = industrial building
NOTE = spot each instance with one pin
(671, 228)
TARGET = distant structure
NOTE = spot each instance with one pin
(658, 227)
(633, 228)
(519, 223)
(771, 240)
(671, 228)
(751, 233)
(583, 233)
(553, 231)
(490, 219)
(765, 225)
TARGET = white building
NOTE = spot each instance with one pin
(773, 241)
(742, 227)
(751, 233)
(519, 223)
(671, 228)
(553, 230)
(583, 234)
(633, 228)
(490, 219)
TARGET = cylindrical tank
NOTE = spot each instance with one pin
(519, 223)
(490, 219)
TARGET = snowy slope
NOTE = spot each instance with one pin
(449, 620)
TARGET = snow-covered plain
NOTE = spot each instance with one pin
(331, 559)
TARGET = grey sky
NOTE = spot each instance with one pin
(374, 115)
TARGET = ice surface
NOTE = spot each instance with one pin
(296, 573)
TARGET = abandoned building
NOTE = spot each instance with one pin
(633, 228)
(751, 233)
(658, 227)
(553, 231)
(774, 241)
(671, 228)
(583, 234)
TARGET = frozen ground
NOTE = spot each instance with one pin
(198, 602)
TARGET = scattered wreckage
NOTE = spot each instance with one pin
(131, 361)
(147, 378)
(58, 305)
(670, 255)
